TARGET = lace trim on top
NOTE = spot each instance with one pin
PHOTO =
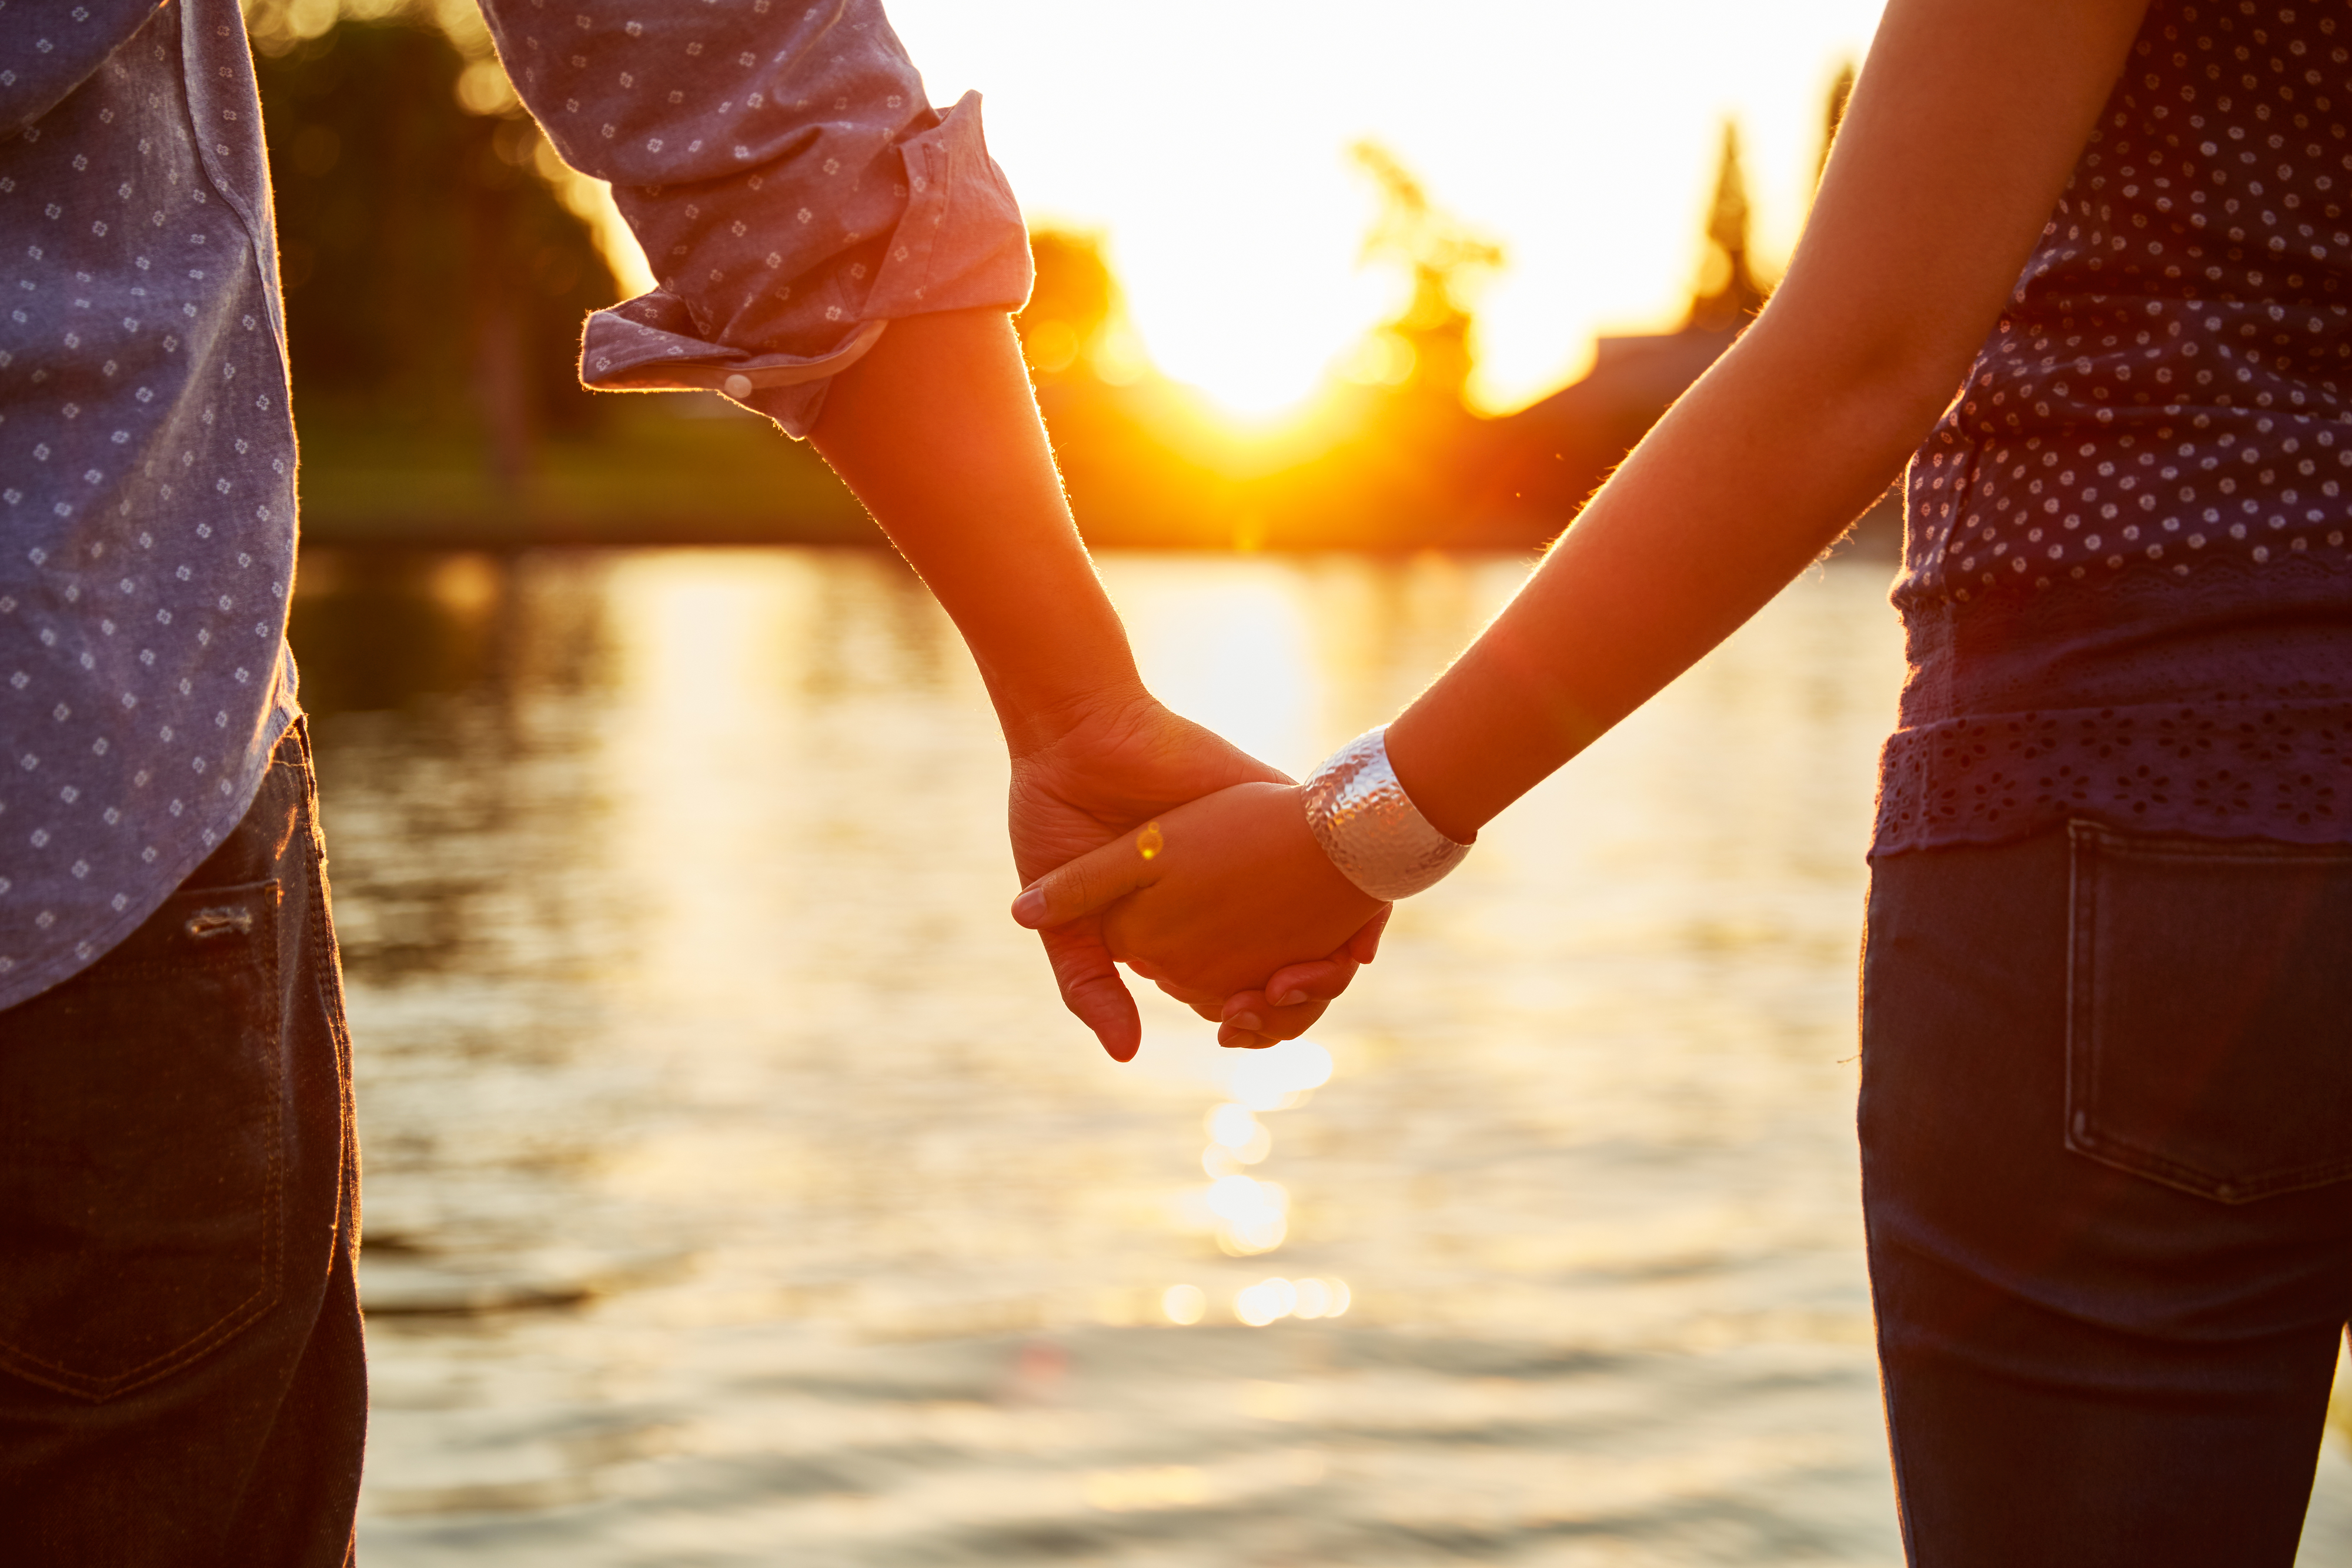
(2279, 770)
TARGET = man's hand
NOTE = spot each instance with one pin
(936, 432)
(1120, 761)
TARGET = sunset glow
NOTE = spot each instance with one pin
(1208, 144)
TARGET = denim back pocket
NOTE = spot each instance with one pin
(2209, 1030)
(141, 1108)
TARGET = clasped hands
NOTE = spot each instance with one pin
(1144, 838)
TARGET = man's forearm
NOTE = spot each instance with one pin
(936, 432)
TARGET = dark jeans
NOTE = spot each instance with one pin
(2106, 1120)
(181, 1378)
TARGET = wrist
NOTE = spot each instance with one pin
(1366, 822)
(1039, 715)
(1428, 763)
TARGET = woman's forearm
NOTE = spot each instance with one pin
(1967, 120)
(1735, 491)
(938, 434)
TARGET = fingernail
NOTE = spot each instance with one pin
(1249, 1022)
(1029, 909)
(1289, 998)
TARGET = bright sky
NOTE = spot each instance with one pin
(1208, 141)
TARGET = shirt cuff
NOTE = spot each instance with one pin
(958, 245)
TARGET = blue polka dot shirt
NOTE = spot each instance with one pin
(778, 160)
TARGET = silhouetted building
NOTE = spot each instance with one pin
(1540, 464)
(1535, 470)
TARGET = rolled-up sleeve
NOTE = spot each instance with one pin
(792, 186)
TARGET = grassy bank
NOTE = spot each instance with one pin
(649, 475)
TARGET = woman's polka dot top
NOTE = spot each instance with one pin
(2163, 403)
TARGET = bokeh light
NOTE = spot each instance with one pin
(1280, 1075)
(1253, 1215)
(1239, 1134)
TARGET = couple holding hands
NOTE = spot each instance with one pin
(2082, 271)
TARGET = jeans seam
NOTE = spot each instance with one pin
(1871, 1251)
(2081, 910)
(327, 979)
(1886, 1390)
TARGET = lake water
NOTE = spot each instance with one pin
(738, 1191)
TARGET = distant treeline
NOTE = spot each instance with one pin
(436, 282)
(431, 276)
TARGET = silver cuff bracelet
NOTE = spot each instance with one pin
(1368, 825)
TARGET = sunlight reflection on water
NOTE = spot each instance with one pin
(738, 1192)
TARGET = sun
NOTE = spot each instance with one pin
(1259, 347)
(1251, 388)
(1583, 138)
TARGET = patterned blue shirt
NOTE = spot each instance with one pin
(779, 162)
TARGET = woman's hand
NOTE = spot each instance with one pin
(1294, 997)
(1215, 897)
(1288, 1004)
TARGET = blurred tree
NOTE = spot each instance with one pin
(1426, 349)
(1727, 293)
(424, 257)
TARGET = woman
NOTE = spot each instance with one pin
(2086, 266)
